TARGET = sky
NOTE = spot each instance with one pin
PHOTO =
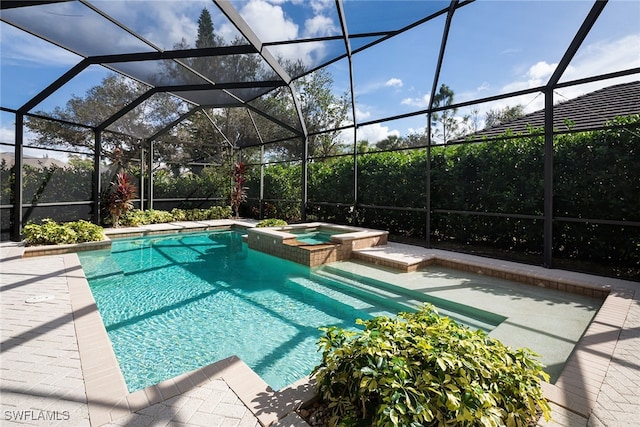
(494, 47)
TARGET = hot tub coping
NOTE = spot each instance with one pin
(348, 232)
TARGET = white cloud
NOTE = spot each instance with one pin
(320, 26)
(604, 57)
(540, 72)
(370, 87)
(268, 21)
(7, 135)
(511, 51)
(318, 5)
(591, 60)
(421, 102)
(376, 132)
(417, 131)
(393, 82)
(484, 86)
(172, 26)
(362, 115)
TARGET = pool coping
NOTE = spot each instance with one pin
(108, 399)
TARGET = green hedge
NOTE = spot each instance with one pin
(136, 217)
(596, 176)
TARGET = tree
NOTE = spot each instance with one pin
(206, 35)
(204, 137)
(391, 142)
(322, 111)
(445, 124)
(97, 105)
(503, 115)
(80, 163)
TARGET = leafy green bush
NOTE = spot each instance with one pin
(136, 217)
(53, 233)
(214, 212)
(272, 222)
(421, 369)
(179, 214)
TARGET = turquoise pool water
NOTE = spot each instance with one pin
(313, 237)
(175, 303)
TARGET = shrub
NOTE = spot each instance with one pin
(421, 369)
(86, 231)
(53, 233)
(272, 222)
(219, 212)
(136, 217)
(178, 214)
(214, 212)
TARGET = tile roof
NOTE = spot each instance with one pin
(589, 111)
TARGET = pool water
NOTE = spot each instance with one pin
(313, 237)
(173, 304)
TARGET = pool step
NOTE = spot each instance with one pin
(411, 300)
(377, 294)
(351, 297)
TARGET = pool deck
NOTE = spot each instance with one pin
(57, 366)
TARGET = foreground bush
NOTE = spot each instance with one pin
(53, 233)
(421, 369)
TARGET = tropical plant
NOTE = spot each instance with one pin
(421, 369)
(123, 191)
(49, 232)
(239, 190)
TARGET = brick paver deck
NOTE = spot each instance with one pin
(43, 383)
(57, 370)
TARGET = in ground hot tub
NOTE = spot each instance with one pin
(315, 243)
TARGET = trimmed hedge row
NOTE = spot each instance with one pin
(596, 176)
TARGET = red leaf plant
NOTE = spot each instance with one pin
(238, 191)
(123, 192)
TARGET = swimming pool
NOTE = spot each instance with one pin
(175, 303)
